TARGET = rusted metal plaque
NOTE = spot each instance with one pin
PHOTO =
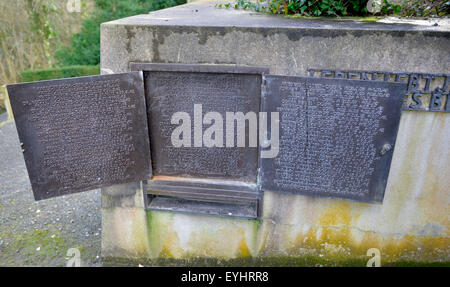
(195, 91)
(425, 92)
(82, 133)
(336, 136)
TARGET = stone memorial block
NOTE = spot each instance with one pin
(337, 136)
(82, 133)
(425, 92)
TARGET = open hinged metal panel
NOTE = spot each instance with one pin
(82, 133)
(334, 137)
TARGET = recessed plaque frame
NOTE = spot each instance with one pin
(337, 136)
(215, 174)
(82, 133)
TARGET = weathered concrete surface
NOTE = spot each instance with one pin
(412, 224)
(287, 46)
(124, 221)
(189, 236)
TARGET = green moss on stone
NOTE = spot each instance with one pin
(276, 261)
(35, 246)
(347, 18)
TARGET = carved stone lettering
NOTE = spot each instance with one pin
(82, 133)
(336, 136)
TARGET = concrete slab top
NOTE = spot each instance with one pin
(205, 14)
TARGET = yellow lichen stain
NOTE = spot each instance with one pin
(166, 253)
(217, 245)
(202, 236)
(337, 244)
(369, 240)
(332, 238)
(139, 230)
(416, 248)
(244, 251)
(433, 243)
(331, 231)
(163, 240)
(334, 223)
(171, 247)
(393, 247)
(337, 214)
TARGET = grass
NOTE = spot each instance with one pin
(41, 248)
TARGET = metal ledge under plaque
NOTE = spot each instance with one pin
(203, 189)
(245, 210)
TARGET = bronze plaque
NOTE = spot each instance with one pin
(83, 133)
(336, 136)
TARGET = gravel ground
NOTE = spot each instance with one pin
(40, 233)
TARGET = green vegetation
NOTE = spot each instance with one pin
(85, 45)
(343, 7)
(35, 246)
(304, 7)
(57, 73)
(417, 8)
(265, 261)
(43, 247)
(44, 34)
